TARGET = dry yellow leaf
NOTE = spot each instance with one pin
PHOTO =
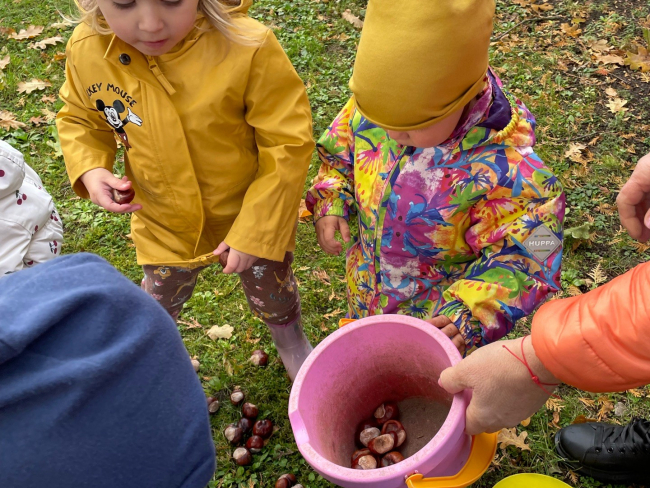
(353, 19)
(609, 59)
(48, 114)
(574, 153)
(554, 405)
(48, 98)
(321, 276)
(59, 56)
(303, 213)
(525, 423)
(587, 402)
(4, 62)
(29, 33)
(640, 60)
(37, 120)
(509, 437)
(61, 25)
(522, 3)
(220, 332)
(8, 120)
(636, 393)
(571, 30)
(50, 41)
(573, 291)
(617, 105)
(33, 85)
(541, 7)
(611, 92)
(599, 46)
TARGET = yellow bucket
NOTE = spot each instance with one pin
(530, 481)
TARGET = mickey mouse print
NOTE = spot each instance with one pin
(113, 114)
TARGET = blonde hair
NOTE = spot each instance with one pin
(215, 11)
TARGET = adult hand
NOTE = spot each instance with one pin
(448, 328)
(503, 392)
(232, 260)
(326, 228)
(634, 201)
(100, 182)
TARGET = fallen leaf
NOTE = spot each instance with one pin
(609, 59)
(336, 312)
(574, 153)
(556, 421)
(541, 7)
(522, 3)
(617, 105)
(303, 213)
(599, 46)
(7, 31)
(321, 276)
(29, 33)
(30, 86)
(61, 25)
(573, 477)
(48, 98)
(220, 332)
(37, 120)
(50, 41)
(588, 402)
(353, 19)
(571, 30)
(573, 291)
(509, 437)
(636, 393)
(8, 120)
(525, 423)
(4, 62)
(606, 407)
(191, 323)
(59, 56)
(581, 419)
(554, 404)
(48, 114)
(611, 92)
(640, 60)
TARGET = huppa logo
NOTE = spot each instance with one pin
(112, 114)
(542, 242)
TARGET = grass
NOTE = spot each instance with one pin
(558, 77)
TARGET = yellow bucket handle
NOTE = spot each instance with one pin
(484, 446)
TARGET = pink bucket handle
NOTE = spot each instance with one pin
(484, 446)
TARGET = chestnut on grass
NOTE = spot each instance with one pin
(397, 427)
(391, 458)
(383, 443)
(246, 425)
(236, 397)
(213, 404)
(286, 481)
(255, 444)
(234, 434)
(242, 456)
(259, 358)
(249, 410)
(386, 411)
(196, 365)
(263, 428)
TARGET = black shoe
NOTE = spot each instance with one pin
(607, 453)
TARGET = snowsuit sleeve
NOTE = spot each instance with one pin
(87, 141)
(333, 190)
(278, 108)
(506, 282)
(598, 341)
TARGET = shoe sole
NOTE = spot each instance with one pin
(597, 474)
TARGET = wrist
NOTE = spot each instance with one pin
(536, 364)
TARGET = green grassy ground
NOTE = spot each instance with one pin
(553, 65)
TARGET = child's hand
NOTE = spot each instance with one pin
(232, 260)
(450, 330)
(100, 182)
(326, 227)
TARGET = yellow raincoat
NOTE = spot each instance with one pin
(219, 139)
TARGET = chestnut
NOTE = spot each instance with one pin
(363, 425)
(359, 453)
(386, 411)
(213, 406)
(236, 397)
(246, 425)
(369, 434)
(383, 443)
(250, 411)
(255, 444)
(234, 434)
(286, 481)
(242, 456)
(259, 358)
(123, 197)
(263, 428)
(196, 365)
(397, 427)
(365, 462)
(391, 458)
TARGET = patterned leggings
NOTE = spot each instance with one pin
(270, 289)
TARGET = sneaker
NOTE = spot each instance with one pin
(607, 453)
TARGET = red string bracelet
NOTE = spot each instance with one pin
(534, 377)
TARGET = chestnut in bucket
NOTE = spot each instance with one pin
(368, 434)
(391, 458)
(386, 411)
(397, 427)
(383, 443)
(364, 459)
(363, 425)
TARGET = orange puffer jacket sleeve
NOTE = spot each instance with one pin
(599, 341)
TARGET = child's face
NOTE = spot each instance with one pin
(431, 136)
(153, 27)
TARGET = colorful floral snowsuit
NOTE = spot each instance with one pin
(442, 230)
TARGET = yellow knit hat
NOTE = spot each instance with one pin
(420, 60)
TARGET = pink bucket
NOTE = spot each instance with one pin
(360, 366)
